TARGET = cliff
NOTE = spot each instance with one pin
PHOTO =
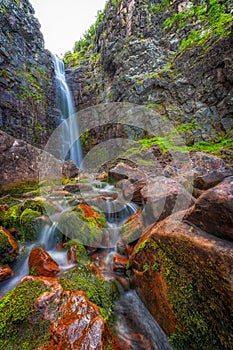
(27, 90)
(172, 56)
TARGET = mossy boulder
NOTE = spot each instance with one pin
(8, 247)
(30, 225)
(83, 223)
(97, 290)
(19, 327)
(76, 252)
(41, 205)
(184, 277)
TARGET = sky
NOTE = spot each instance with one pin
(64, 21)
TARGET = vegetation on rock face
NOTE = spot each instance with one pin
(97, 290)
(212, 16)
(18, 331)
(197, 290)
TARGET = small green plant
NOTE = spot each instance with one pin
(155, 266)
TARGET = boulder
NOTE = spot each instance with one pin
(213, 210)
(70, 170)
(124, 171)
(212, 178)
(21, 165)
(5, 272)
(162, 197)
(184, 277)
(8, 247)
(42, 264)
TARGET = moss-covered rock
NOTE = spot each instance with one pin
(8, 247)
(184, 276)
(83, 223)
(10, 218)
(41, 205)
(19, 328)
(97, 290)
(76, 252)
(29, 224)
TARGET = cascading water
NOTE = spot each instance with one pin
(67, 109)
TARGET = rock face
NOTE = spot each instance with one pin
(213, 210)
(184, 277)
(138, 57)
(27, 88)
(20, 162)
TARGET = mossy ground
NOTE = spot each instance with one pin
(18, 331)
(30, 225)
(97, 290)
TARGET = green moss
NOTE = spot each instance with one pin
(29, 224)
(80, 251)
(10, 218)
(43, 206)
(74, 225)
(213, 18)
(4, 242)
(97, 290)
(20, 187)
(197, 293)
(19, 329)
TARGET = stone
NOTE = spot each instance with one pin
(184, 277)
(132, 229)
(162, 197)
(213, 210)
(5, 272)
(124, 171)
(42, 264)
(70, 170)
(119, 264)
(9, 249)
(212, 178)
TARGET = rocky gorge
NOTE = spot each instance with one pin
(132, 250)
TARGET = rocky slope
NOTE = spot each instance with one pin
(27, 91)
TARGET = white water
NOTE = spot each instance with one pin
(67, 109)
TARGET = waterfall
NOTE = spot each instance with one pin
(67, 109)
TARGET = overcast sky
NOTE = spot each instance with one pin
(64, 21)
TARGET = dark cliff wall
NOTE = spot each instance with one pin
(27, 88)
(175, 56)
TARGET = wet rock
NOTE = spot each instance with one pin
(5, 272)
(42, 264)
(80, 326)
(184, 277)
(132, 228)
(119, 264)
(213, 210)
(162, 197)
(8, 247)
